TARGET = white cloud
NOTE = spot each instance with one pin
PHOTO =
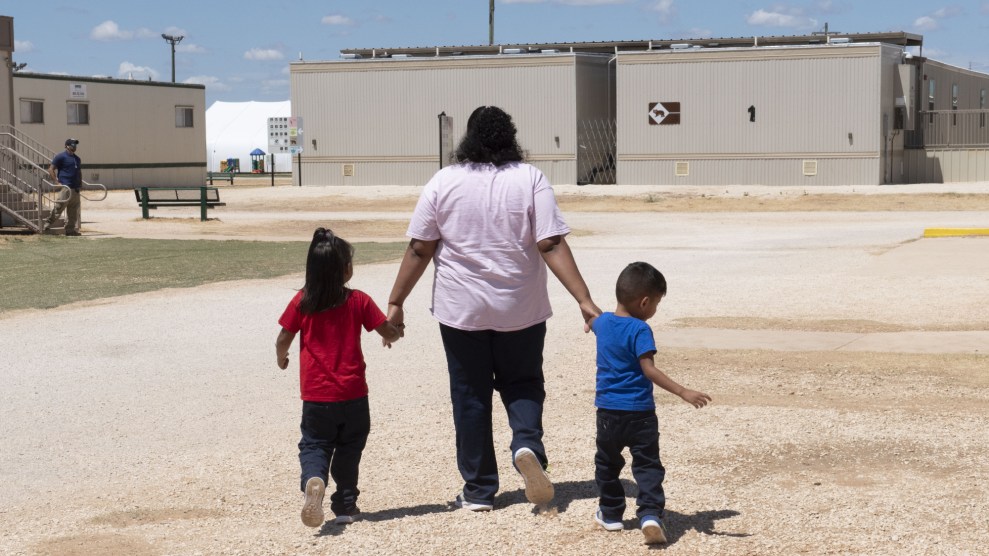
(129, 70)
(212, 82)
(175, 31)
(925, 23)
(337, 19)
(263, 54)
(23, 46)
(700, 33)
(781, 19)
(190, 48)
(933, 21)
(665, 8)
(110, 31)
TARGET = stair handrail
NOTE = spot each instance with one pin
(45, 153)
(51, 186)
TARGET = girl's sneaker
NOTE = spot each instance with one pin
(652, 528)
(608, 524)
(312, 504)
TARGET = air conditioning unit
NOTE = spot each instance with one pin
(680, 46)
(512, 51)
(840, 40)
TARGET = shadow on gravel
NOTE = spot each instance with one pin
(332, 529)
(677, 524)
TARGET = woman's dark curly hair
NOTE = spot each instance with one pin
(490, 138)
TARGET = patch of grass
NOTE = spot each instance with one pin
(45, 272)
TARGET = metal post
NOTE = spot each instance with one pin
(440, 118)
(202, 204)
(300, 168)
(144, 203)
(272, 169)
(491, 22)
(172, 40)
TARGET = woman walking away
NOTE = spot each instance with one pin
(491, 226)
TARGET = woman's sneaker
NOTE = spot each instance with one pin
(608, 524)
(312, 504)
(462, 502)
(652, 529)
(538, 487)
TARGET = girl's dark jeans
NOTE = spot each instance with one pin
(333, 438)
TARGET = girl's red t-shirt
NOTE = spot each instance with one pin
(331, 363)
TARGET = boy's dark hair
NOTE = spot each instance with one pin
(490, 138)
(639, 280)
(326, 272)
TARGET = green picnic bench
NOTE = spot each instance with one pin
(229, 176)
(154, 197)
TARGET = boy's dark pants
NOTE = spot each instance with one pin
(333, 438)
(479, 363)
(639, 431)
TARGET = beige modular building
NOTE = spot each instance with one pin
(376, 120)
(778, 115)
(131, 133)
(819, 109)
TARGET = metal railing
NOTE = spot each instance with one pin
(40, 156)
(949, 128)
(596, 145)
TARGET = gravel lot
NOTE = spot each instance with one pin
(158, 424)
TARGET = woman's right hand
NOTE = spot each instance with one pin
(589, 311)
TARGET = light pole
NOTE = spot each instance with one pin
(491, 23)
(173, 40)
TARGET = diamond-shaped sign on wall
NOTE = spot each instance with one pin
(664, 113)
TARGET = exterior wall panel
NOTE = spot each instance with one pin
(381, 115)
(810, 103)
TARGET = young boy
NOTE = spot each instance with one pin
(626, 415)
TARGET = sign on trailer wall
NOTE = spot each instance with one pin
(285, 135)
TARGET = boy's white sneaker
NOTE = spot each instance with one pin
(538, 487)
(312, 504)
(347, 519)
(607, 524)
(652, 529)
(462, 503)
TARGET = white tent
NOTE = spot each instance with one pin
(234, 129)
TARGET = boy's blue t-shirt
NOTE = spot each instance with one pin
(620, 382)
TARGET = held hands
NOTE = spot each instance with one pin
(589, 311)
(695, 398)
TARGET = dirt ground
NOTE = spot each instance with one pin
(847, 356)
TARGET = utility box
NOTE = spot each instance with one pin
(6, 33)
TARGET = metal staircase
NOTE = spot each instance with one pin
(27, 194)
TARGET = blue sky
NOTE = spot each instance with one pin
(241, 50)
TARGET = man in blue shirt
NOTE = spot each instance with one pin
(66, 169)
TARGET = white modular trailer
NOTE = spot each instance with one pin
(131, 133)
(780, 115)
(375, 121)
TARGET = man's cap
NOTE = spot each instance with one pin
(71, 142)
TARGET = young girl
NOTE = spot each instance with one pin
(335, 415)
